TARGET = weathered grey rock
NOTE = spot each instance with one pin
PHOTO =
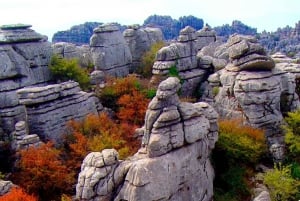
(246, 54)
(182, 56)
(24, 58)
(70, 51)
(263, 196)
(21, 139)
(140, 40)
(97, 77)
(49, 108)
(5, 186)
(249, 87)
(173, 163)
(19, 33)
(110, 52)
(205, 36)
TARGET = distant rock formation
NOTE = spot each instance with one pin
(173, 163)
(250, 87)
(171, 27)
(139, 40)
(49, 108)
(78, 34)
(236, 27)
(110, 52)
(182, 57)
(24, 58)
(69, 51)
(285, 40)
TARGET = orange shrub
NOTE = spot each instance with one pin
(132, 108)
(101, 132)
(42, 172)
(17, 194)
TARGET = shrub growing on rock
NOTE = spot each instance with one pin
(241, 142)
(43, 173)
(237, 150)
(292, 135)
(148, 59)
(68, 69)
(282, 186)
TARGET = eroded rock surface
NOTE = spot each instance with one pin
(182, 55)
(252, 88)
(49, 108)
(173, 163)
(139, 40)
(110, 52)
(24, 58)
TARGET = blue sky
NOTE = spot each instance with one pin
(50, 16)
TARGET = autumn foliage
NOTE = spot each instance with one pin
(98, 132)
(42, 171)
(17, 194)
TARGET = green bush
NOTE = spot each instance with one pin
(148, 59)
(292, 135)
(282, 186)
(69, 69)
(241, 142)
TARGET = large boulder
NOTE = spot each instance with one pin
(71, 51)
(49, 108)
(173, 163)
(24, 58)
(110, 52)
(182, 55)
(250, 87)
(140, 40)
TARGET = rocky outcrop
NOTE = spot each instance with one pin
(21, 139)
(250, 87)
(110, 52)
(173, 163)
(5, 186)
(78, 34)
(69, 51)
(171, 27)
(236, 27)
(182, 56)
(24, 58)
(49, 108)
(140, 40)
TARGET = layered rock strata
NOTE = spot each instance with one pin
(250, 87)
(69, 51)
(21, 139)
(140, 40)
(49, 108)
(110, 52)
(173, 163)
(182, 56)
(24, 58)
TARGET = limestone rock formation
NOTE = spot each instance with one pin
(173, 163)
(49, 108)
(21, 138)
(110, 52)
(250, 87)
(182, 55)
(69, 50)
(24, 58)
(78, 34)
(5, 186)
(139, 40)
